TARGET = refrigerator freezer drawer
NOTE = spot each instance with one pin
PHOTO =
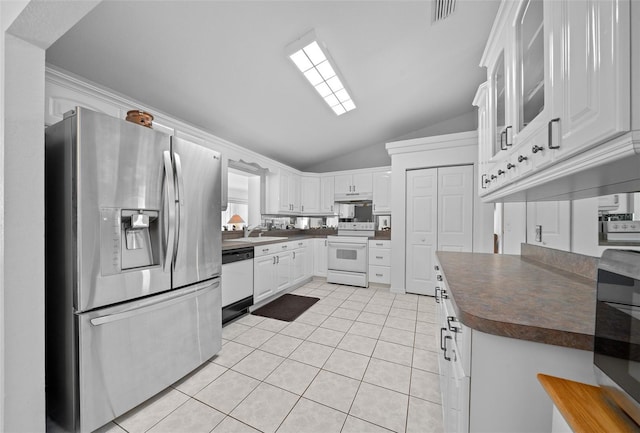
(130, 352)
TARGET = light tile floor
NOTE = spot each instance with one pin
(359, 360)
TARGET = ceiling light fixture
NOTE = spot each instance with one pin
(318, 69)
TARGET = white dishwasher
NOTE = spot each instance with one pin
(237, 282)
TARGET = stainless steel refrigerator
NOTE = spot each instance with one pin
(133, 264)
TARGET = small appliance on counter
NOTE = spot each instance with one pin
(616, 350)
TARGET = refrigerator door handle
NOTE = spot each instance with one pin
(171, 205)
(163, 302)
(179, 200)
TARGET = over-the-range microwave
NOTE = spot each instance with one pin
(616, 354)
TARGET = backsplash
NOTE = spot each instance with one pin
(585, 266)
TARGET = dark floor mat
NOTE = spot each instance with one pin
(287, 307)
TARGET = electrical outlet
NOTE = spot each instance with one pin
(538, 233)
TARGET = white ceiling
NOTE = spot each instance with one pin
(221, 65)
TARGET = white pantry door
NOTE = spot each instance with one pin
(439, 217)
(455, 208)
(422, 230)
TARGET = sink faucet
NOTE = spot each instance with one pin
(247, 231)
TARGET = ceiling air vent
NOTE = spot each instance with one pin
(442, 9)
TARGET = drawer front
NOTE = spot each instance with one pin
(379, 257)
(265, 250)
(373, 243)
(297, 244)
(380, 274)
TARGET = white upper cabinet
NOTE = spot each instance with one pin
(316, 195)
(283, 193)
(382, 192)
(558, 85)
(485, 135)
(327, 192)
(310, 195)
(353, 185)
(593, 90)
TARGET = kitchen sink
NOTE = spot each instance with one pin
(257, 240)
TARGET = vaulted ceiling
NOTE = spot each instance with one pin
(222, 66)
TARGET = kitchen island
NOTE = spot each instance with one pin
(520, 297)
(513, 317)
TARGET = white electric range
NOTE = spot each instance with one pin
(348, 254)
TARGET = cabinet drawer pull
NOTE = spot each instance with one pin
(446, 337)
(378, 275)
(442, 338)
(550, 131)
(508, 141)
(455, 329)
(437, 297)
(484, 181)
(379, 257)
(536, 149)
(502, 140)
(439, 277)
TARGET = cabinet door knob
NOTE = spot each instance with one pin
(510, 166)
(536, 149)
(522, 158)
(493, 177)
(500, 171)
(484, 181)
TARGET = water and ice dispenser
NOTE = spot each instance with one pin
(129, 239)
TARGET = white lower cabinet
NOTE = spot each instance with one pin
(300, 269)
(264, 277)
(320, 257)
(380, 261)
(284, 265)
(277, 267)
(503, 393)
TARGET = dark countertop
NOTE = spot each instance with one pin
(515, 296)
(228, 242)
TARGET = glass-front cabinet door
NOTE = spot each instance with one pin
(530, 62)
(498, 79)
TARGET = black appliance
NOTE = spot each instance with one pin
(617, 329)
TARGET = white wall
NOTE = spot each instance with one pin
(28, 28)
(24, 236)
(366, 157)
(451, 149)
(461, 123)
(376, 155)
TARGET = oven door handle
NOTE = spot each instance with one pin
(347, 245)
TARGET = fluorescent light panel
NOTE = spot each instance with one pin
(315, 66)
